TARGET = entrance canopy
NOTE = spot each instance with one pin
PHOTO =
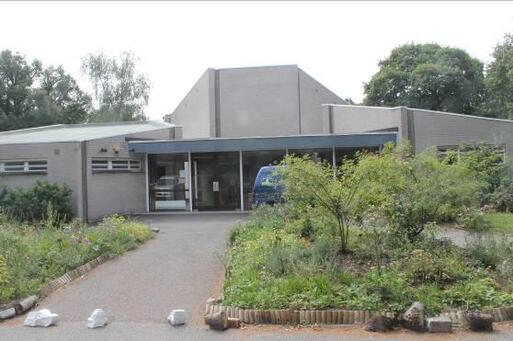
(262, 143)
(219, 173)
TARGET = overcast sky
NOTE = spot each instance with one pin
(339, 44)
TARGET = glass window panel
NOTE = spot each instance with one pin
(14, 166)
(37, 166)
(318, 155)
(119, 164)
(350, 153)
(100, 164)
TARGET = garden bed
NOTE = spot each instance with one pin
(272, 266)
(37, 260)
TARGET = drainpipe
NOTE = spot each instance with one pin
(85, 208)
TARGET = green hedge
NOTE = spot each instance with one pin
(42, 201)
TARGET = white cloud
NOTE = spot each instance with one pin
(337, 43)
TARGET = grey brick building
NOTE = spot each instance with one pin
(232, 122)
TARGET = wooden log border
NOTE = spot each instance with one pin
(57, 283)
(332, 316)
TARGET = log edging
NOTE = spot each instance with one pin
(294, 316)
(332, 316)
(69, 276)
(500, 314)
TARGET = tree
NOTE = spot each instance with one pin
(499, 81)
(428, 76)
(312, 185)
(32, 96)
(120, 91)
(63, 90)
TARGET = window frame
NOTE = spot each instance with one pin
(442, 151)
(24, 167)
(116, 165)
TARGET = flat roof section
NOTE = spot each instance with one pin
(263, 143)
(78, 132)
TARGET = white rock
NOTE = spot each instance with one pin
(41, 318)
(177, 317)
(97, 319)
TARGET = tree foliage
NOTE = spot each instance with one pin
(121, 93)
(31, 95)
(499, 81)
(311, 185)
(428, 76)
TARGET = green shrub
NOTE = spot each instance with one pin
(494, 171)
(44, 200)
(412, 192)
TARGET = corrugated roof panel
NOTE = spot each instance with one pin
(78, 132)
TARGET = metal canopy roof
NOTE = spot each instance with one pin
(262, 143)
(78, 132)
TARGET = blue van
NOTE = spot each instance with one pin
(268, 188)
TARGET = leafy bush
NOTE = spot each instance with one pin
(30, 257)
(44, 200)
(494, 171)
(412, 192)
(310, 184)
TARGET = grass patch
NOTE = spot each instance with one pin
(31, 256)
(500, 221)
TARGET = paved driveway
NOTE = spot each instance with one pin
(177, 269)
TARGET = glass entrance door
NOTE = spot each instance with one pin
(169, 182)
(216, 181)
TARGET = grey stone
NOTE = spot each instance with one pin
(478, 321)
(97, 319)
(413, 318)
(155, 229)
(41, 318)
(217, 320)
(176, 317)
(7, 313)
(379, 324)
(439, 324)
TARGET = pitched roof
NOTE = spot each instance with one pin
(78, 132)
